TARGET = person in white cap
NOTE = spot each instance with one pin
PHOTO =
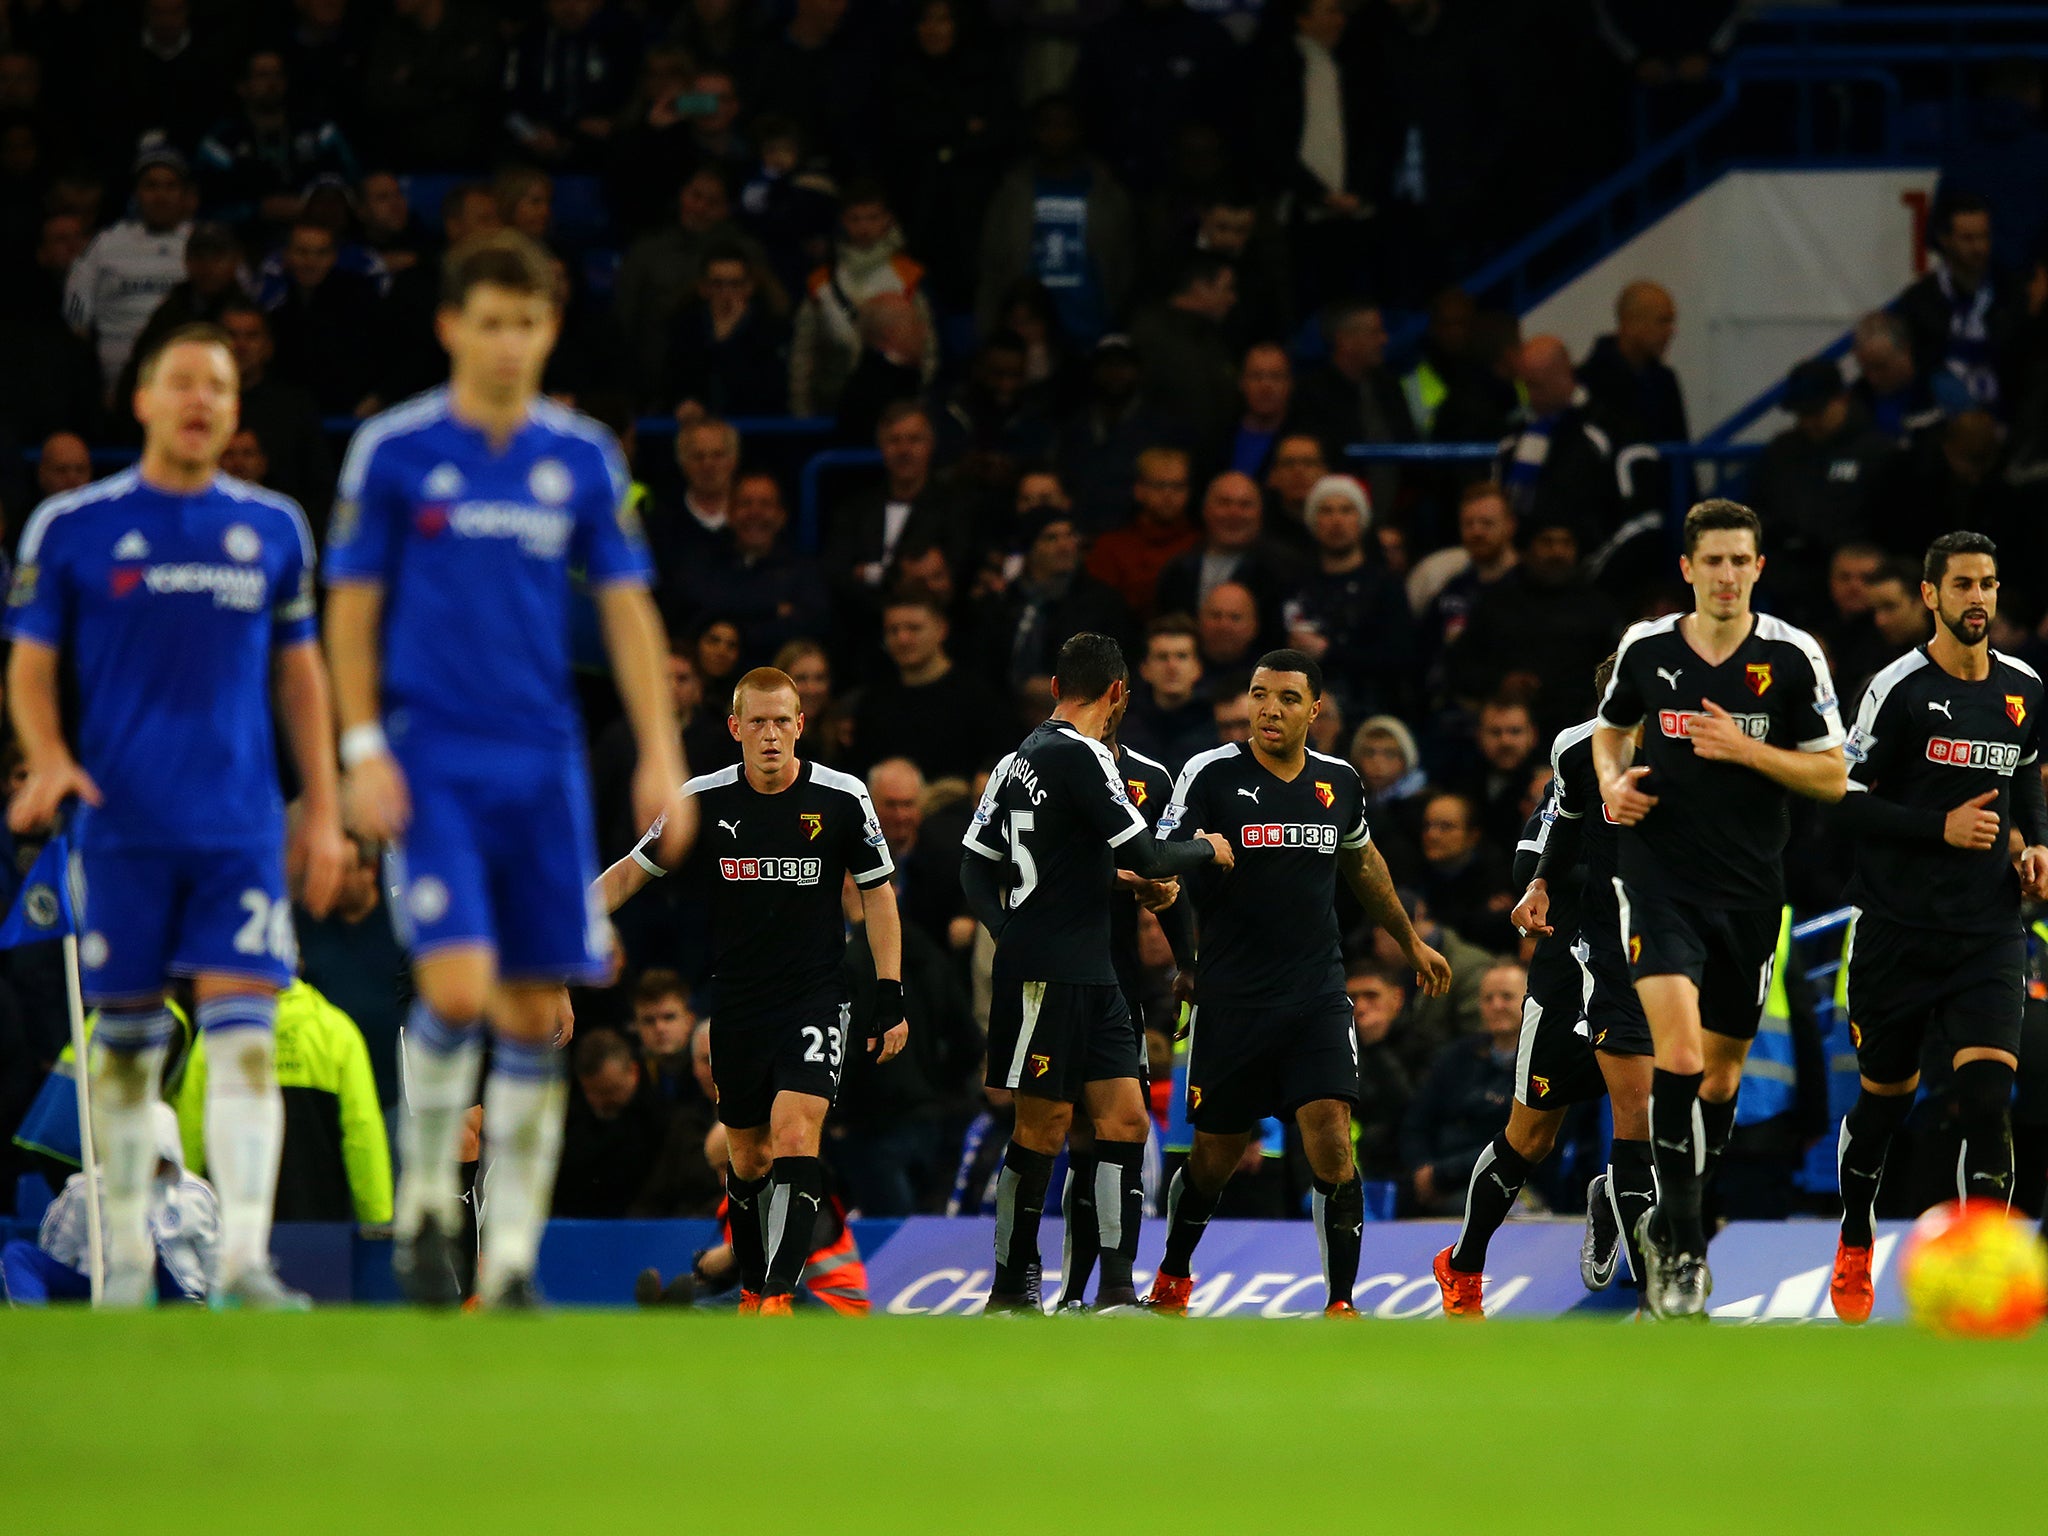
(1348, 611)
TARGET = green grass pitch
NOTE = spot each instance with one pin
(381, 1421)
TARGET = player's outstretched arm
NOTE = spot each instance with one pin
(621, 881)
(374, 797)
(981, 882)
(885, 943)
(317, 853)
(53, 773)
(638, 649)
(1614, 750)
(1367, 874)
(1150, 859)
(1822, 775)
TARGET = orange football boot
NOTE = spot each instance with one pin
(775, 1306)
(1169, 1295)
(1851, 1289)
(1344, 1309)
(750, 1302)
(1462, 1291)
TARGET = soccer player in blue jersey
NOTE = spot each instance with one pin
(460, 516)
(180, 597)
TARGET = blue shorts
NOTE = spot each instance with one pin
(147, 915)
(501, 852)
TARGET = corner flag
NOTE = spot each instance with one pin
(43, 910)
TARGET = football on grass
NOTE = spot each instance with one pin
(1973, 1269)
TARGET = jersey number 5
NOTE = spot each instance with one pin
(1027, 867)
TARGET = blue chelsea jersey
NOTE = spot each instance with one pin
(473, 547)
(169, 607)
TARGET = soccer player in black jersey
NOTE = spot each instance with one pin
(1943, 766)
(1149, 783)
(1583, 1032)
(1271, 1031)
(1736, 709)
(1057, 821)
(785, 835)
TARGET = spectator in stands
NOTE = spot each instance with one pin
(1062, 217)
(1296, 465)
(1097, 450)
(654, 144)
(1443, 586)
(49, 374)
(615, 1129)
(417, 362)
(1170, 718)
(660, 271)
(64, 464)
(790, 209)
(1950, 479)
(526, 201)
(828, 725)
(254, 166)
(1889, 393)
(1464, 878)
(1815, 483)
(351, 956)
(1431, 1023)
(1383, 751)
(115, 285)
(1188, 367)
(1480, 407)
(1384, 1086)
(770, 593)
(1052, 366)
(213, 280)
(927, 868)
(1233, 549)
(1509, 752)
(1558, 462)
(567, 79)
(329, 326)
(989, 425)
(1232, 711)
(1265, 383)
(429, 84)
(1964, 326)
(244, 458)
(1446, 362)
(929, 711)
(162, 79)
(868, 262)
(1463, 1103)
(1347, 611)
(1626, 375)
(1229, 626)
(1315, 137)
(908, 512)
(1538, 633)
(726, 354)
(716, 647)
(662, 1024)
(708, 454)
(390, 230)
(896, 343)
(819, 72)
(1354, 398)
(1050, 600)
(284, 416)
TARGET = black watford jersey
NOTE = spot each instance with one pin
(778, 862)
(1717, 835)
(1928, 740)
(1149, 783)
(1055, 811)
(1268, 926)
(1575, 788)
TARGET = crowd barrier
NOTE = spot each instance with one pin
(934, 1266)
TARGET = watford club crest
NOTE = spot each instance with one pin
(2016, 709)
(1324, 794)
(1040, 1065)
(1541, 1084)
(1856, 1036)
(1635, 948)
(1137, 790)
(1759, 675)
(1194, 1098)
(814, 822)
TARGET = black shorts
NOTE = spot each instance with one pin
(1904, 982)
(1726, 951)
(1614, 1014)
(1050, 1038)
(1578, 1005)
(1247, 1063)
(799, 1049)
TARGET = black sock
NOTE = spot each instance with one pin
(1983, 1091)
(1188, 1211)
(1675, 1147)
(1340, 1224)
(1489, 1196)
(1866, 1137)
(796, 1193)
(743, 1211)
(1020, 1202)
(1719, 1122)
(1632, 1185)
(1084, 1237)
(1119, 1209)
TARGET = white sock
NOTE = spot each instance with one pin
(127, 1080)
(523, 1105)
(244, 1126)
(440, 1087)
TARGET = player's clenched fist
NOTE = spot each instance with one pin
(1624, 797)
(374, 797)
(1972, 824)
(1226, 856)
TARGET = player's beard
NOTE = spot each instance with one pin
(1959, 625)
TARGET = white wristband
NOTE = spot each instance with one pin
(360, 743)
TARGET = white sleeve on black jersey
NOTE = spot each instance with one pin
(1816, 717)
(1176, 813)
(1118, 821)
(1622, 705)
(643, 851)
(1359, 833)
(975, 839)
(1870, 739)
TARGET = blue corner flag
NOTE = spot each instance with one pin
(43, 910)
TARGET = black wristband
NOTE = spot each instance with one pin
(888, 1006)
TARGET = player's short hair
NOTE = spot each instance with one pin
(1287, 659)
(762, 680)
(1718, 513)
(599, 1048)
(200, 332)
(657, 983)
(1960, 542)
(507, 260)
(1088, 664)
(1604, 674)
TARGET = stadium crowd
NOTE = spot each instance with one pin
(1110, 332)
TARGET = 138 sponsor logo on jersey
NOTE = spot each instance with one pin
(1999, 756)
(791, 871)
(1678, 723)
(1314, 836)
